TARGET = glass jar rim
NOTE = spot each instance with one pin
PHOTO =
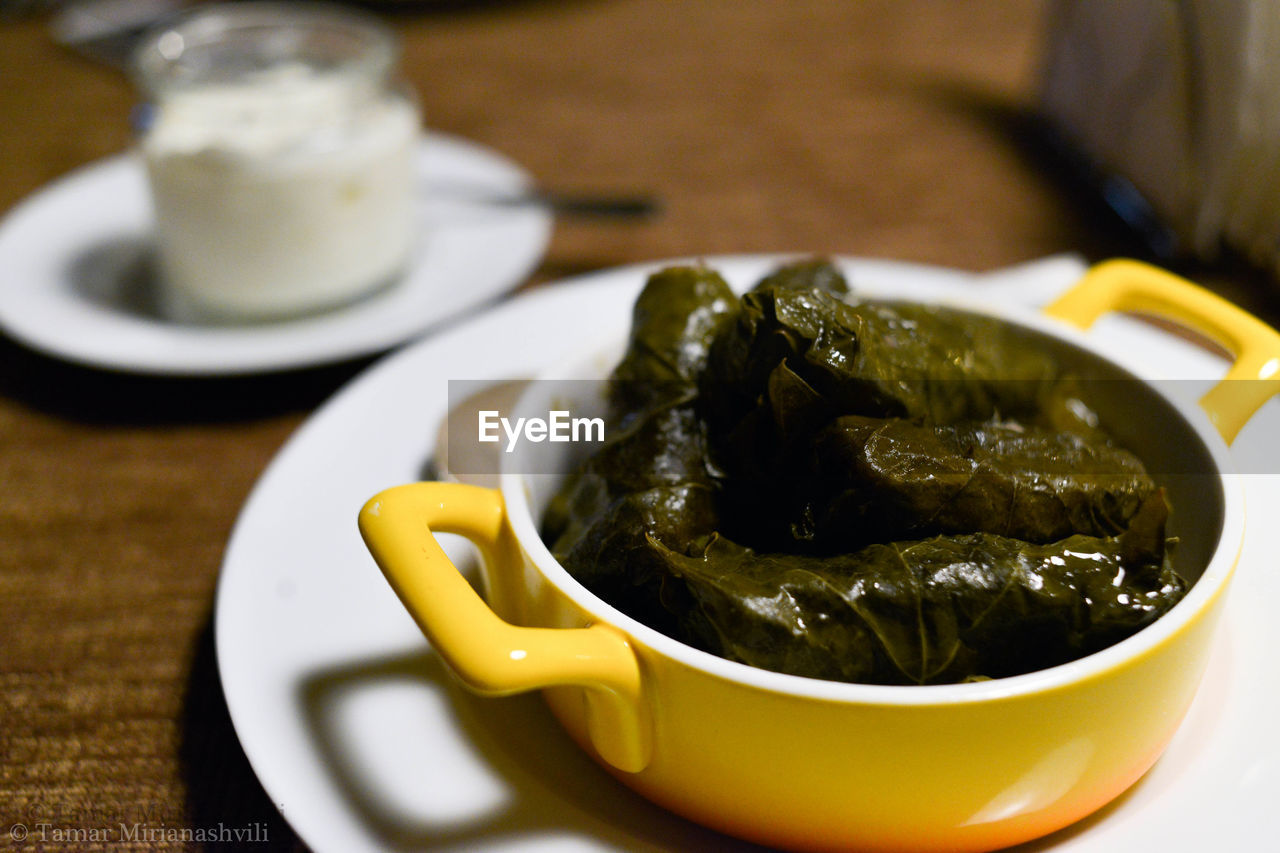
(162, 60)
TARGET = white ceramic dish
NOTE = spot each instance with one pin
(364, 742)
(75, 281)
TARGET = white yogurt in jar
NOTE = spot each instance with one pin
(280, 192)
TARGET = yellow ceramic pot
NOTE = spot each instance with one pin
(809, 764)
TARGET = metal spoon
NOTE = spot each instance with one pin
(577, 205)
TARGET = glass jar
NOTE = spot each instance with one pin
(280, 154)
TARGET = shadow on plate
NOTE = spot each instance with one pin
(119, 275)
(221, 786)
(550, 788)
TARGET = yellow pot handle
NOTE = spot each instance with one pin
(1124, 285)
(489, 654)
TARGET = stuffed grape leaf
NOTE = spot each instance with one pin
(673, 323)
(860, 491)
(872, 477)
(928, 611)
(656, 438)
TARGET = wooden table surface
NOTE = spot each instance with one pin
(881, 128)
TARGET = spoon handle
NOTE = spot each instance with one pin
(585, 206)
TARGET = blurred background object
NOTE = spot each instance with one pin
(1173, 108)
(108, 29)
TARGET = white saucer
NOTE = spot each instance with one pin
(365, 742)
(75, 281)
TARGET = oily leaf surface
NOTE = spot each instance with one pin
(859, 491)
(927, 611)
(891, 478)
